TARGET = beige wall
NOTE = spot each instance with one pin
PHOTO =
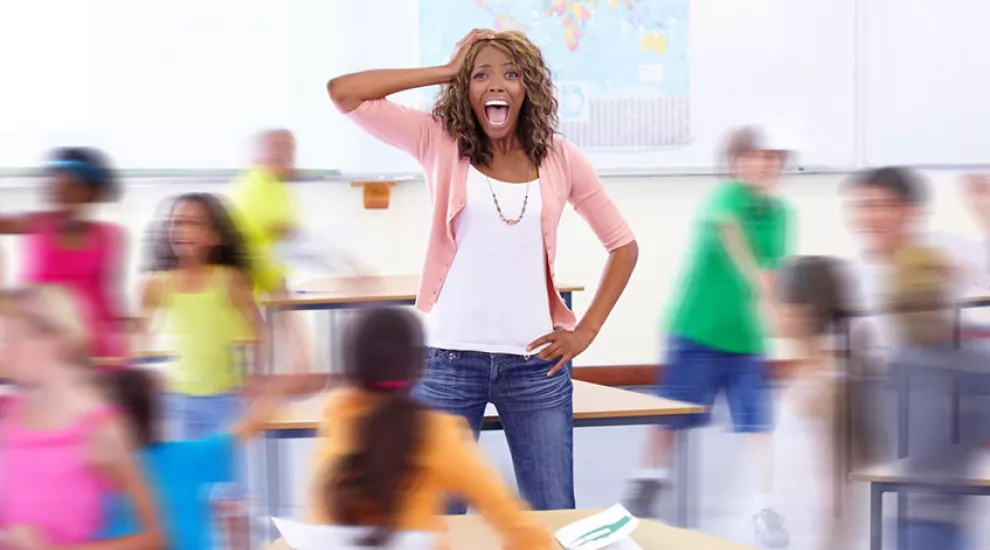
(660, 209)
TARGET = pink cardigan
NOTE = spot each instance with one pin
(565, 176)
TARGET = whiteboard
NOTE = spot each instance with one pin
(927, 83)
(186, 83)
(178, 84)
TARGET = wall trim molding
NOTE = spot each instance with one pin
(605, 375)
(648, 375)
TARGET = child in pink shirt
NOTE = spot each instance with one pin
(65, 247)
(62, 445)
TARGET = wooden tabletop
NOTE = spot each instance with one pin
(591, 401)
(470, 532)
(970, 471)
(361, 290)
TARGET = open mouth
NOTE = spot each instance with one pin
(497, 112)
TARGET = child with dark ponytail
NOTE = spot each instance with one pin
(391, 462)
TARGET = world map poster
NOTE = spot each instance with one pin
(621, 67)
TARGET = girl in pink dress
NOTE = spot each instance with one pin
(65, 247)
(63, 447)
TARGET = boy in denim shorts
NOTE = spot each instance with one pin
(715, 336)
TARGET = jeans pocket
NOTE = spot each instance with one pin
(540, 367)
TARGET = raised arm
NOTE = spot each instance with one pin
(361, 97)
(264, 408)
(351, 90)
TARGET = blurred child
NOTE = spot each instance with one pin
(62, 445)
(183, 472)
(391, 462)
(65, 246)
(813, 296)
(200, 283)
(717, 337)
(938, 384)
(264, 210)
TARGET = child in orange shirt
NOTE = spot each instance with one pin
(391, 462)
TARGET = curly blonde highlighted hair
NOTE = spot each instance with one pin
(537, 117)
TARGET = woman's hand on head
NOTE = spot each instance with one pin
(562, 344)
(464, 46)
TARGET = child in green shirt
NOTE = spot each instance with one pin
(715, 337)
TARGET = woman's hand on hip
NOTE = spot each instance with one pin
(563, 344)
(464, 46)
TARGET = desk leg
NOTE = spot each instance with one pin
(333, 341)
(902, 506)
(903, 385)
(265, 450)
(683, 486)
(956, 390)
(324, 341)
(956, 404)
(844, 453)
(270, 314)
(273, 484)
(876, 516)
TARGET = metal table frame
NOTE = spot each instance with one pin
(877, 489)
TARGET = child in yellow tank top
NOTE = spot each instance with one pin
(199, 282)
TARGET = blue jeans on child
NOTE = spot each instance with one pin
(197, 416)
(200, 416)
(536, 411)
(697, 373)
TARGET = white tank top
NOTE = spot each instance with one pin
(494, 298)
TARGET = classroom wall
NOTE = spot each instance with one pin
(660, 210)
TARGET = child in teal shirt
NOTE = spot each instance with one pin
(183, 473)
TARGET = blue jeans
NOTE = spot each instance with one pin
(536, 411)
(930, 535)
(697, 373)
(200, 416)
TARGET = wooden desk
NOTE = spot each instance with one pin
(143, 358)
(967, 475)
(332, 294)
(349, 292)
(594, 406)
(472, 533)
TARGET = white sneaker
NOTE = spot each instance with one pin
(769, 528)
(643, 495)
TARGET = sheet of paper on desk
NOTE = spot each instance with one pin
(607, 530)
(303, 536)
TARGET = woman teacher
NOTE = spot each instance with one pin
(498, 177)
